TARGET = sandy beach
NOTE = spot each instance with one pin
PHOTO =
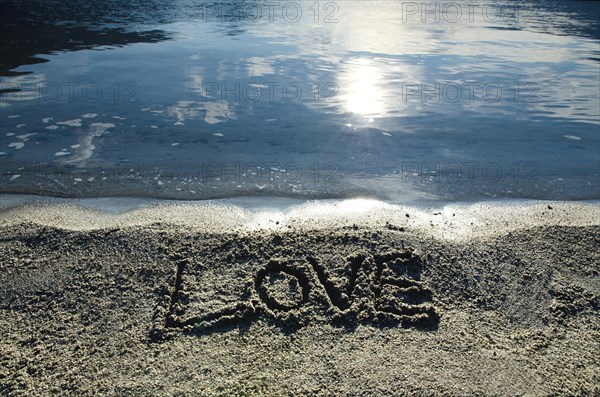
(349, 298)
(242, 198)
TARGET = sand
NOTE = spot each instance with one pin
(349, 298)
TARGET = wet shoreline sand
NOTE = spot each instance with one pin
(346, 298)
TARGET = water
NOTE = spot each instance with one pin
(200, 99)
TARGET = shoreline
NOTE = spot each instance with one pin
(451, 221)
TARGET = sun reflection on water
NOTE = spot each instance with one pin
(364, 88)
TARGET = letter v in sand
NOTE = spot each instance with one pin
(341, 296)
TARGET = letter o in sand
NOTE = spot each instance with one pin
(282, 287)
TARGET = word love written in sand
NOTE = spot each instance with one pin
(377, 289)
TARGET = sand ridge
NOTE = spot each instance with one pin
(456, 222)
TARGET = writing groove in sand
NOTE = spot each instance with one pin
(382, 290)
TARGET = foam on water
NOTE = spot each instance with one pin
(71, 123)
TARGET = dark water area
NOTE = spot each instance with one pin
(396, 100)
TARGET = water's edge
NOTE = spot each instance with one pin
(453, 221)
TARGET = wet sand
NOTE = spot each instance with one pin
(354, 298)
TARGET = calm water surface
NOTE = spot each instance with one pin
(396, 100)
